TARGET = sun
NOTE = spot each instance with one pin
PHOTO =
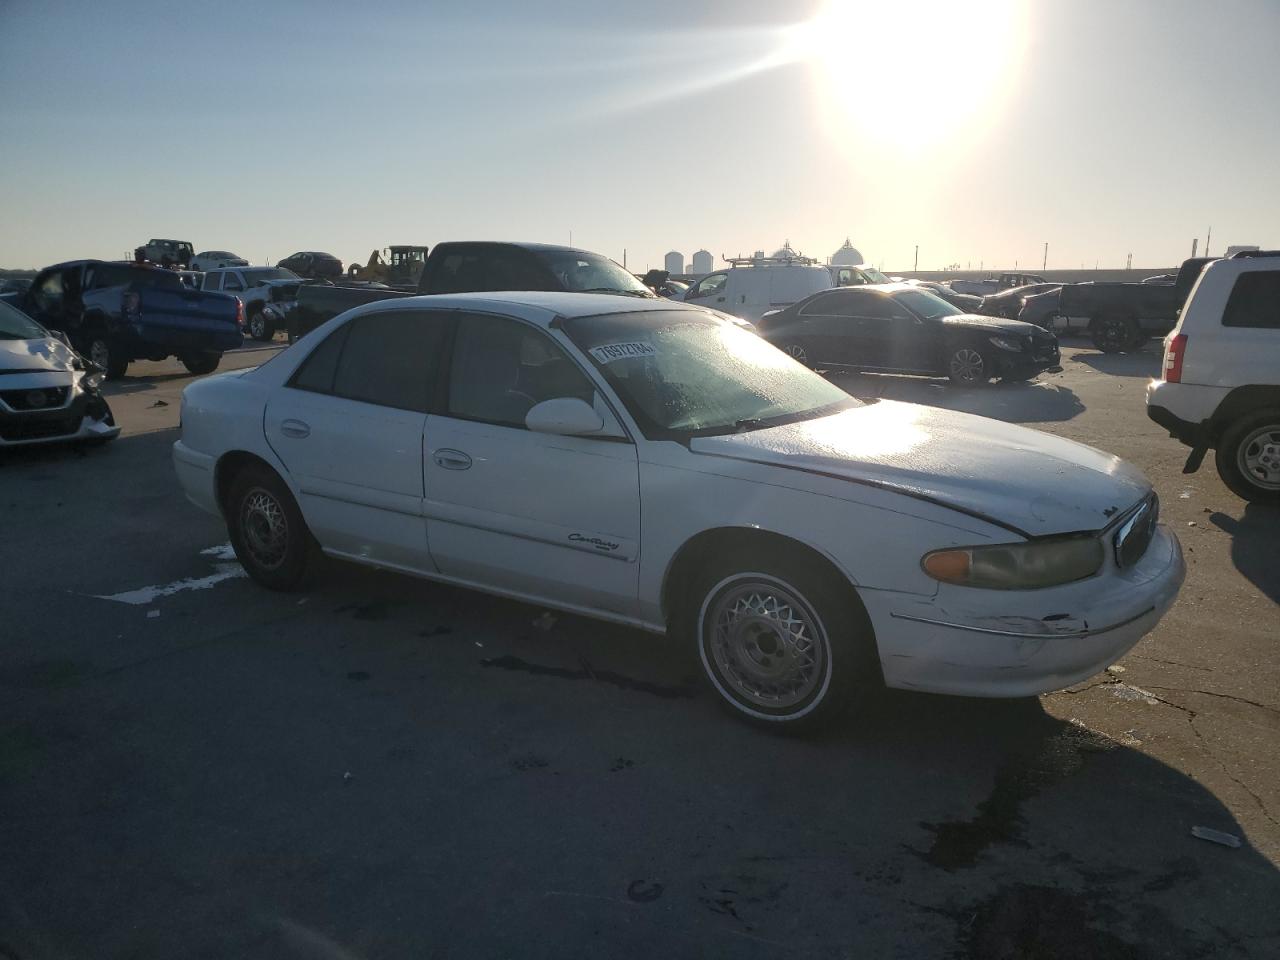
(912, 72)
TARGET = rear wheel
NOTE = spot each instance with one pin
(268, 533)
(201, 363)
(969, 367)
(1113, 333)
(782, 641)
(1248, 457)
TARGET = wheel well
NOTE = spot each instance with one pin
(1241, 401)
(229, 466)
(735, 541)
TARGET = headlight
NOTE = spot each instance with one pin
(1017, 566)
(1006, 343)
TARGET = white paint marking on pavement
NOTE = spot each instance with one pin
(145, 595)
(223, 551)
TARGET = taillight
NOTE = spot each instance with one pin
(131, 302)
(1173, 354)
(239, 313)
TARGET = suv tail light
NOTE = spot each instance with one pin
(1173, 355)
(239, 313)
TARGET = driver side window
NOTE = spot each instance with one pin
(708, 286)
(502, 368)
(231, 282)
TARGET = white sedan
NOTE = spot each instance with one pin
(656, 465)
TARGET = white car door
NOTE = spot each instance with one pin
(348, 425)
(534, 514)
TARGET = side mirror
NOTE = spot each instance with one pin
(565, 416)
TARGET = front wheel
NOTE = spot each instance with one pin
(782, 643)
(104, 352)
(260, 327)
(270, 537)
(1248, 457)
(969, 367)
(201, 363)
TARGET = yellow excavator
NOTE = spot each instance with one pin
(400, 267)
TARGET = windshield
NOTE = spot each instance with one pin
(256, 278)
(927, 306)
(591, 273)
(874, 275)
(16, 325)
(687, 373)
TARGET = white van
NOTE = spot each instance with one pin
(753, 286)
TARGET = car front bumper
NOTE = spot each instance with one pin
(989, 643)
(86, 417)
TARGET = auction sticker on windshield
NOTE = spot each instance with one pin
(622, 351)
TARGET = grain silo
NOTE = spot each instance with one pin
(703, 262)
(673, 263)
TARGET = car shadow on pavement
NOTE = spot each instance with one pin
(1033, 402)
(1254, 540)
(1144, 363)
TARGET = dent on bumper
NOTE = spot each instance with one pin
(936, 647)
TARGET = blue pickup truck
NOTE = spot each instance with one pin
(114, 313)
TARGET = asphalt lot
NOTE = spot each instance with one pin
(191, 766)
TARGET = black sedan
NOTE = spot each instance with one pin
(898, 328)
(1008, 303)
(966, 302)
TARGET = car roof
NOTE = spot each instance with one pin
(536, 306)
(536, 247)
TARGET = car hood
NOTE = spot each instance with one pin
(1030, 482)
(42, 355)
(970, 321)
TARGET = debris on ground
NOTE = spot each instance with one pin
(161, 403)
(347, 777)
(1191, 523)
(1115, 668)
(1216, 836)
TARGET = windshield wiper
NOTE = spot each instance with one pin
(621, 293)
(747, 423)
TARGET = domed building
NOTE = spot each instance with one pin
(847, 256)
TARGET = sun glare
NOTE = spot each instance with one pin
(911, 72)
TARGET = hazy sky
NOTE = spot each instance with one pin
(977, 130)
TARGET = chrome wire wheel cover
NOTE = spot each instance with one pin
(265, 528)
(767, 645)
(100, 353)
(1258, 457)
(967, 365)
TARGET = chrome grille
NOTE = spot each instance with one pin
(40, 398)
(1134, 536)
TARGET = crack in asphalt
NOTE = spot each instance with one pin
(1224, 696)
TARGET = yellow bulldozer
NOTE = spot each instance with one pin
(398, 266)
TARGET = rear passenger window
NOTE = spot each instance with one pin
(231, 281)
(458, 273)
(513, 271)
(317, 371)
(212, 281)
(391, 359)
(1254, 301)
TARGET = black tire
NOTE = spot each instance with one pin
(201, 363)
(1248, 456)
(797, 352)
(734, 602)
(260, 328)
(106, 353)
(267, 530)
(1114, 333)
(968, 366)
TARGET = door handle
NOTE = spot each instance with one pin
(452, 459)
(295, 428)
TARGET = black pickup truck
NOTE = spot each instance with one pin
(466, 267)
(114, 313)
(1124, 316)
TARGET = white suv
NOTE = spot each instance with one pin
(1220, 387)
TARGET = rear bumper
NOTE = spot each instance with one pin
(196, 476)
(146, 338)
(1025, 643)
(1185, 410)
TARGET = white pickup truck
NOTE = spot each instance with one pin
(1220, 386)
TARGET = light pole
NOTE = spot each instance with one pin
(1045, 264)
(916, 266)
